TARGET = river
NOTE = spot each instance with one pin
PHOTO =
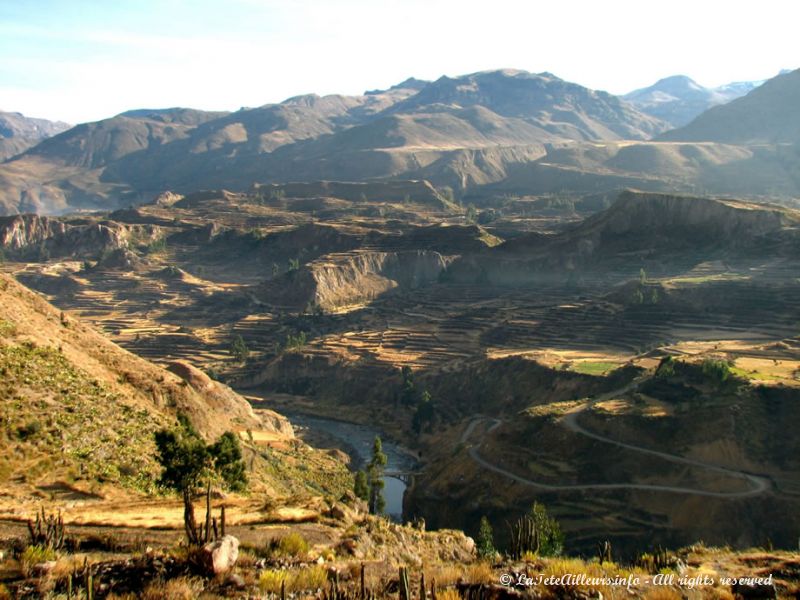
(357, 441)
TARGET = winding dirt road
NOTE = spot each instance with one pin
(758, 484)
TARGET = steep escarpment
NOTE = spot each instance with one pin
(340, 280)
(640, 230)
(667, 218)
(416, 191)
(30, 235)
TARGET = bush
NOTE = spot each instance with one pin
(291, 545)
(270, 581)
(485, 542)
(717, 370)
(34, 555)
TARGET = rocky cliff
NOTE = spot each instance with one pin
(336, 281)
(29, 235)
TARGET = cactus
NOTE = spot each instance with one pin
(47, 531)
(405, 592)
(524, 537)
(604, 552)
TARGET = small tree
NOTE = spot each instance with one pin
(361, 486)
(471, 215)
(294, 264)
(239, 349)
(485, 545)
(425, 413)
(551, 539)
(189, 464)
(408, 391)
(375, 478)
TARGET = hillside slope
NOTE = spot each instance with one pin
(79, 411)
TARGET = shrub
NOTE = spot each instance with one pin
(717, 370)
(270, 580)
(291, 545)
(180, 588)
(34, 555)
(308, 579)
(485, 542)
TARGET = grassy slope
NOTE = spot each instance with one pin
(76, 407)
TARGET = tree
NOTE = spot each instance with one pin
(189, 463)
(361, 486)
(471, 215)
(294, 264)
(425, 413)
(408, 390)
(551, 539)
(485, 542)
(239, 349)
(642, 276)
(375, 477)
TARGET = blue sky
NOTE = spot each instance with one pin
(77, 60)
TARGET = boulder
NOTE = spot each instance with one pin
(754, 590)
(219, 556)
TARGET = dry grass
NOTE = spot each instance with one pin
(448, 594)
(270, 581)
(34, 555)
(445, 575)
(180, 588)
(480, 572)
(662, 593)
(300, 580)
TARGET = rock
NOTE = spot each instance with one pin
(237, 581)
(754, 590)
(338, 512)
(347, 546)
(43, 568)
(219, 557)
(469, 545)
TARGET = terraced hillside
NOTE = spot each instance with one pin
(353, 307)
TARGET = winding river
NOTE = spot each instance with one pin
(357, 441)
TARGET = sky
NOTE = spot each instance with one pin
(80, 60)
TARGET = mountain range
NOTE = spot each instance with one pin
(18, 132)
(504, 131)
(679, 99)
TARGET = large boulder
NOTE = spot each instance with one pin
(219, 557)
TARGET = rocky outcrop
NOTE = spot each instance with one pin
(28, 231)
(340, 280)
(417, 191)
(31, 235)
(719, 220)
(222, 398)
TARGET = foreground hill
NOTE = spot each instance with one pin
(80, 412)
(18, 132)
